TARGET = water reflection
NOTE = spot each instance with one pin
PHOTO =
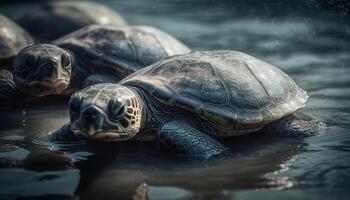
(109, 169)
(138, 164)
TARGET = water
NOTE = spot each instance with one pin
(309, 40)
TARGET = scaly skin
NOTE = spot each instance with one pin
(295, 125)
(183, 139)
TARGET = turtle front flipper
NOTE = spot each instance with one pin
(100, 78)
(296, 125)
(183, 139)
(65, 134)
(9, 94)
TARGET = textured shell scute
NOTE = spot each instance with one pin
(130, 47)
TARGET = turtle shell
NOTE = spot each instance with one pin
(129, 48)
(12, 39)
(232, 92)
(51, 20)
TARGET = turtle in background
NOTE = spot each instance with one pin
(51, 20)
(187, 101)
(93, 54)
(13, 38)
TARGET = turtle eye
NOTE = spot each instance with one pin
(22, 71)
(116, 109)
(65, 61)
(30, 61)
(74, 106)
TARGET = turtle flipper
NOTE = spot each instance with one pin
(184, 139)
(100, 78)
(9, 94)
(65, 134)
(296, 125)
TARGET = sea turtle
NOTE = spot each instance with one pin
(12, 39)
(53, 19)
(187, 100)
(93, 54)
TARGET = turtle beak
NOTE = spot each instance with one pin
(48, 71)
(91, 120)
(104, 136)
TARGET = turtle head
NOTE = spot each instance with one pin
(106, 112)
(42, 69)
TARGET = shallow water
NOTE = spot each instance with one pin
(310, 41)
